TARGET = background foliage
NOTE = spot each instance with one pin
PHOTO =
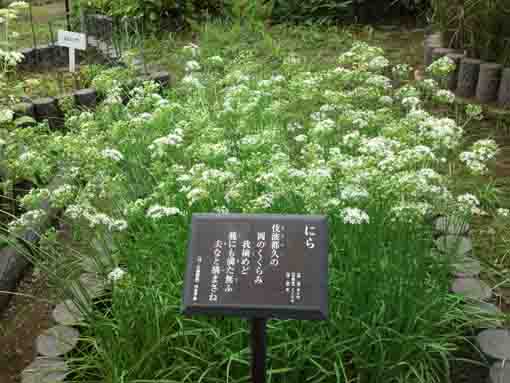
(480, 26)
(190, 11)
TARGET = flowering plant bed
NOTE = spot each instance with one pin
(244, 131)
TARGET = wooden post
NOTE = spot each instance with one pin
(468, 77)
(488, 82)
(258, 350)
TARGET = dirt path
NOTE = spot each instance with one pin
(23, 320)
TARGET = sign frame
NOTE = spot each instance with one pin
(317, 311)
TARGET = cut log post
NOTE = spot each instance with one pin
(488, 82)
(430, 45)
(438, 53)
(452, 79)
(468, 77)
(504, 89)
(162, 78)
(86, 98)
(46, 108)
(57, 341)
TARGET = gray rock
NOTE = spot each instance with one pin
(454, 245)
(489, 310)
(495, 343)
(472, 288)
(57, 341)
(12, 266)
(67, 313)
(87, 287)
(500, 372)
(452, 225)
(467, 267)
(45, 370)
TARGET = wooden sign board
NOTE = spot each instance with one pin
(257, 266)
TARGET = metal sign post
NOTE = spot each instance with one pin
(257, 266)
(258, 350)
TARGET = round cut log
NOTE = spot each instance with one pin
(452, 78)
(472, 288)
(468, 77)
(57, 341)
(500, 372)
(67, 313)
(438, 53)
(495, 343)
(430, 45)
(45, 370)
(467, 267)
(86, 98)
(488, 82)
(504, 89)
(452, 225)
(454, 245)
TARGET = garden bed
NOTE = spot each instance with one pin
(286, 132)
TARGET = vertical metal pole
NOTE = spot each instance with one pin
(67, 15)
(258, 350)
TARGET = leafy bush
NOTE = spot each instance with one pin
(190, 11)
(479, 26)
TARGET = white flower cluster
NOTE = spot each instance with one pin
(112, 154)
(441, 67)
(94, 218)
(354, 216)
(157, 212)
(116, 274)
(481, 153)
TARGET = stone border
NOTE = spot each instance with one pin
(47, 108)
(486, 82)
(493, 342)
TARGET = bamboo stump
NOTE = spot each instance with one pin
(452, 79)
(468, 77)
(488, 82)
(504, 89)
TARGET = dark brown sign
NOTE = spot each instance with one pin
(257, 266)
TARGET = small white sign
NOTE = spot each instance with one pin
(72, 40)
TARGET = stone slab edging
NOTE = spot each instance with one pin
(486, 82)
(493, 342)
